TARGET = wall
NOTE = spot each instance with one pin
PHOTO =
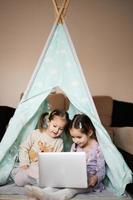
(101, 32)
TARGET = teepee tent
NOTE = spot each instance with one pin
(59, 66)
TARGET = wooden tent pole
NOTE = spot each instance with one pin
(66, 7)
(60, 11)
(57, 11)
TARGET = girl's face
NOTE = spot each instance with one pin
(56, 126)
(79, 138)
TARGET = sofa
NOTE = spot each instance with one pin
(6, 113)
(116, 117)
(112, 116)
(110, 113)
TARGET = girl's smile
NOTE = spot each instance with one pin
(79, 138)
(56, 126)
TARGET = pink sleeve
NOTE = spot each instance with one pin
(100, 165)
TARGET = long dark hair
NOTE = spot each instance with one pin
(84, 123)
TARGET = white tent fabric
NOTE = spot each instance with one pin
(59, 66)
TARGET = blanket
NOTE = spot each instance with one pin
(12, 189)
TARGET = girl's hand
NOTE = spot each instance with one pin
(24, 167)
(92, 181)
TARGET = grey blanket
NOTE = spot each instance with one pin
(12, 189)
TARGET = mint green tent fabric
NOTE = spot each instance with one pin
(59, 66)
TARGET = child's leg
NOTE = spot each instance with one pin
(22, 178)
(68, 193)
(59, 194)
(32, 198)
(29, 191)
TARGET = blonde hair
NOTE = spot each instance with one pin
(43, 119)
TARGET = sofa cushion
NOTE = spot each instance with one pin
(104, 106)
(110, 131)
(123, 138)
(127, 157)
(122, 114)
(6, 113)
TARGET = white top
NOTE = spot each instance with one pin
(38, 142)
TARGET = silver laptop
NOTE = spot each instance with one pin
(63, 169)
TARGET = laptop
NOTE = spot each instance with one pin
(62, 169)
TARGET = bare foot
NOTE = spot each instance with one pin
(31, 198)
(28, 192)
(38, 193)
(51, 194)
(43, 194)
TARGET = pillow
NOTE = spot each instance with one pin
(123, 138)
(6, 113)
(127, 157)
(122, 114)
(104, 106)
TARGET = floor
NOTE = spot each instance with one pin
(12, 192)
(79, 197)
(13, 197)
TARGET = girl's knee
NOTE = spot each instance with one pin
(20, 179)
(19, 182)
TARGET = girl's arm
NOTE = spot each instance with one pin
(24, 151)
(100, 165)
(100, 170)
(73, 147)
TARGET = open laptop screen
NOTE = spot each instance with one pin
(62, 169)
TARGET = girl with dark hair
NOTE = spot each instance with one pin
(84, 137)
